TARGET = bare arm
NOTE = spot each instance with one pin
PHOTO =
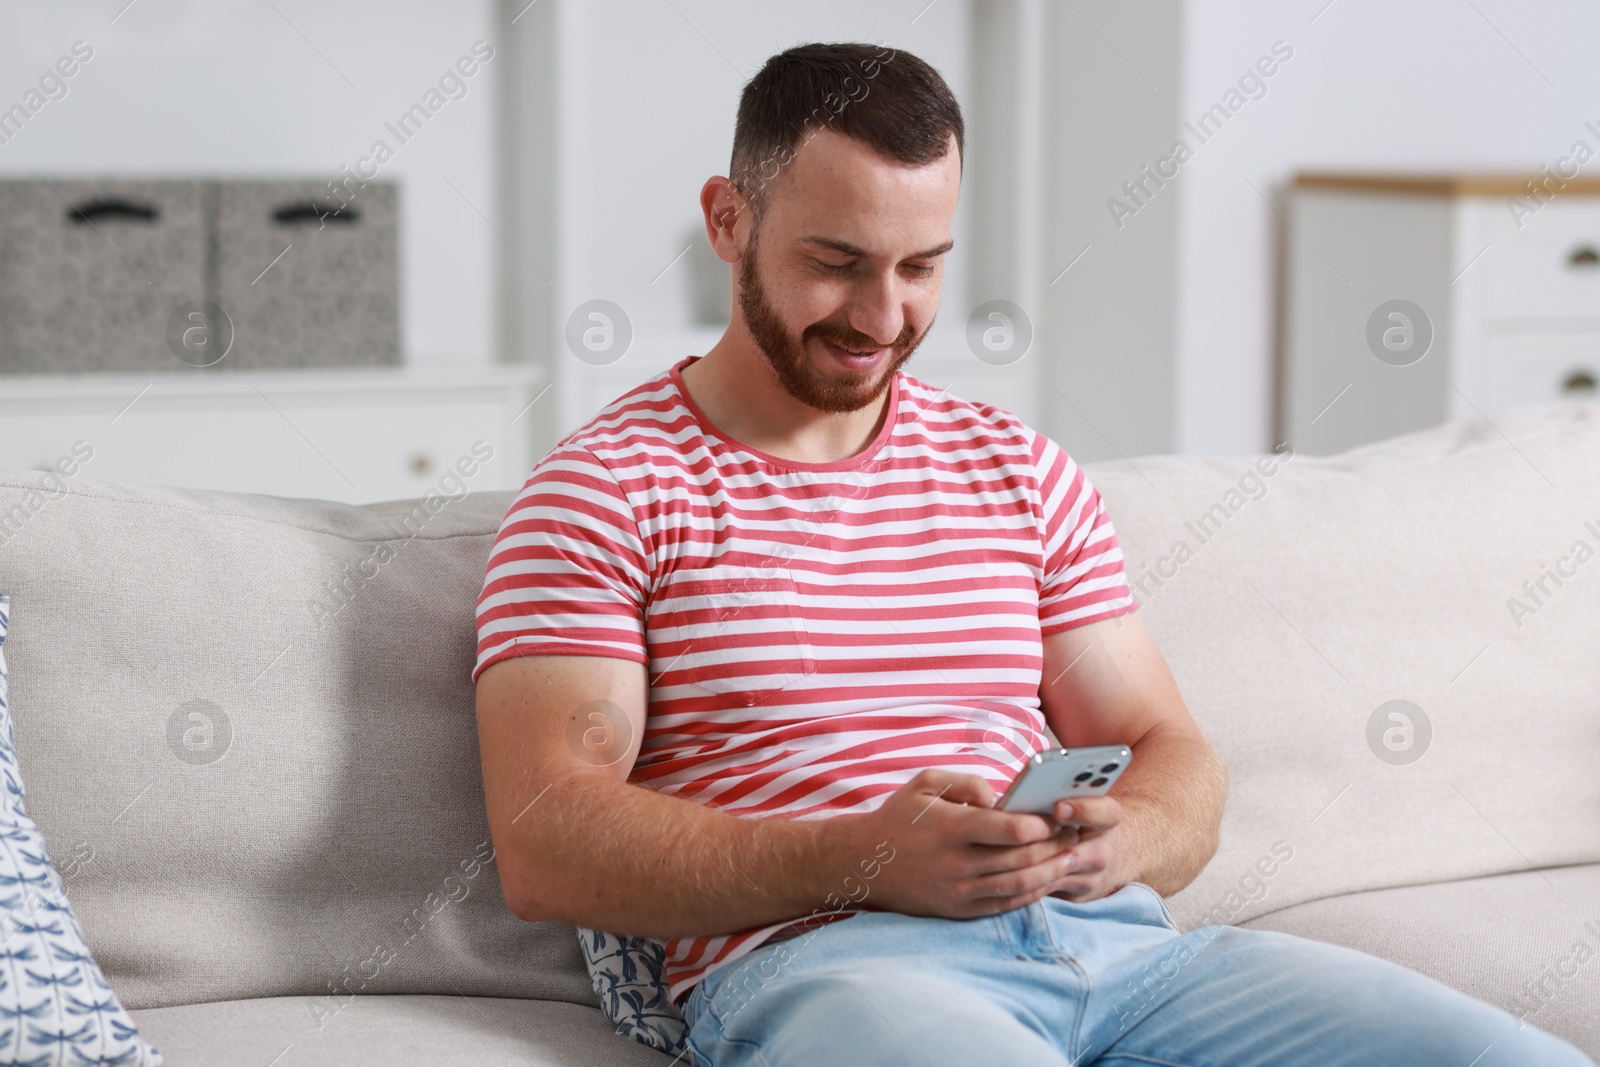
(1107, 683)
(576, 842)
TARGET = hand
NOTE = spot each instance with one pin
(1101, 868)
(949, 853)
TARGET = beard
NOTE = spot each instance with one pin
(787, 354)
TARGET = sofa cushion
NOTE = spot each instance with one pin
(1296, 599)
(447, 1031)
(1526, 942)
(53, 996)
(258, 713)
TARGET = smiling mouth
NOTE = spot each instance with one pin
(855, 353)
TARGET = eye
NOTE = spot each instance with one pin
(920, 270)
(834, 268)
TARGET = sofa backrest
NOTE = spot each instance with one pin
(246, 726)
(1454, 569)
(246, 723)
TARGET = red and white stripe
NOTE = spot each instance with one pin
(815, 634)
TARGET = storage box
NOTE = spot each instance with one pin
(308, 278)
(90, 271)
(127, 275)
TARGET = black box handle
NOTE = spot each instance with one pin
(112, 207)
(313, 211)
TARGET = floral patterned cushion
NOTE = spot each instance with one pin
(628, 976)
(55, 1005)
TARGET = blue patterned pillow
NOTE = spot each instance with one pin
(55, 1005)
(628, 974)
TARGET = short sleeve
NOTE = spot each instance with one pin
(567, 570)
(1084, 576)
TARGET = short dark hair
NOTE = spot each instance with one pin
(890, 100)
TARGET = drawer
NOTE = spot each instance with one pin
(1537, 371)
(351, 451)
(1549, 269)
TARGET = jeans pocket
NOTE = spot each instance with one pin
(696, 1004)
(1166, 916)
(691, 1005)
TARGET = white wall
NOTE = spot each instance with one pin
(650, 92)
(1164, 335)
(1107, 388)
(233, 87)
(1427, 85)
(645, 95)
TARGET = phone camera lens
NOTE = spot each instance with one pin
(1098, 782)
(1084, 777)
(1108, 768)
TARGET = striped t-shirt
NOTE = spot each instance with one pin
(815, 633)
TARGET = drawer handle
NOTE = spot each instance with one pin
(1584, 257)
(421, 463)
(113, 208)
(1579, 381)
(313, 211)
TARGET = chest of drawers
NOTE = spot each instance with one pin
(1413, 300)
(356, 435)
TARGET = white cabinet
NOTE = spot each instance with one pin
(356, 435)
(1414, 300)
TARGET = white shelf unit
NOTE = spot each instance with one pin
(356, 435)
(1510, 285)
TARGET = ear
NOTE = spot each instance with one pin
(728, 217)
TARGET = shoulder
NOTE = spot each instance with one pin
(645, 422)
(955, 421)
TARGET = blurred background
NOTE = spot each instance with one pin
(339, 249)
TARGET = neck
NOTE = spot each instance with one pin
(739, 392)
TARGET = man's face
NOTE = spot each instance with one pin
(851, 259)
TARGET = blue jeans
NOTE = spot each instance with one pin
(1110, 981)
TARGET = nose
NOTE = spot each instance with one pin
(878, 310)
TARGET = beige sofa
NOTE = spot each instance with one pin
(251, 888)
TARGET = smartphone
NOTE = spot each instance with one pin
(1062, 773)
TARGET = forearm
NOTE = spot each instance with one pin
(610, 855)
(1172, 796)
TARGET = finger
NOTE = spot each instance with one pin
(1095, 855)
(989, 827)
(1097, 813)
(990, 859)
(1095, 861)
(1040, 878)
(957, 788)
(1088, 880)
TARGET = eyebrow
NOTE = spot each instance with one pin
(849, 249)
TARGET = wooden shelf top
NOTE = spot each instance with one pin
(1447, 184)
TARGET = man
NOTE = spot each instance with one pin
(763, 642)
